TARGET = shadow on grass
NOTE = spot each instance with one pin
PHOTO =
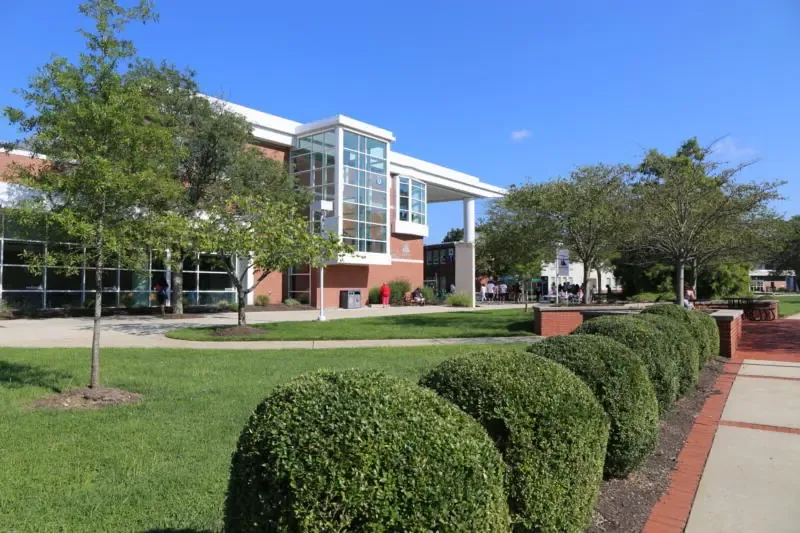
(15, 375)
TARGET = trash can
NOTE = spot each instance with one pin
(350, 299)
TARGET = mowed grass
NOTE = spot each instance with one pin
(789, 305)
(158, 466)
(499, 323)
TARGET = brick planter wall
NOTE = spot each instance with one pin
(729, 323)
(551, 322)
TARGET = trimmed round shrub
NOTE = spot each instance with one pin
(693, 322)
(647, 342)
(712, 332)
(361, 451)
(681, 345)
(548, 426)
(620, 383)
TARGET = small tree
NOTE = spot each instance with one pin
(583, 213)
(687, 208)
(109, 150)
(785, 254)
(256, 234)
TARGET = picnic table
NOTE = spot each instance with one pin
(754, 309)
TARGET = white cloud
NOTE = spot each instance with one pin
(518, 135)
(729, 148)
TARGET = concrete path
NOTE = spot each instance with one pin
(751, 478)
(148, 332)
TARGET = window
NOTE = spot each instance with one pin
(429, 257)
(313, 164)
(411, 200)
(364, 201)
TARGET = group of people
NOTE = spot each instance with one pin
(567, 291)
(499, 291)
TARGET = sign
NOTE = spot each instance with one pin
(562, 263)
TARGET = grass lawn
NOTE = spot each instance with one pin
(501, 323)
(789, 305)
(161, 465)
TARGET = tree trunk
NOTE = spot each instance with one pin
(694, 276)
(177, 288)
(98, 312)
(599, 282)
(587, 298)
(679, 282)
(241, 302)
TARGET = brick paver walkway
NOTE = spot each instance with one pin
(739, 470)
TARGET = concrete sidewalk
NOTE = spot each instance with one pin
(148, 332)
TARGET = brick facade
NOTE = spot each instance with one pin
(730, 333)
(556, 321)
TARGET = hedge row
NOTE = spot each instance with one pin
(620, 383)
(702, 327)
(503, 441)
(360, 451)
(546, 423)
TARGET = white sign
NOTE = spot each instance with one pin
(562, 263)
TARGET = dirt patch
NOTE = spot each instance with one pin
(88, 399)
(237, 331)
(625, 504)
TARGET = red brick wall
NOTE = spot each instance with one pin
(551, 323)
(8, 161)
(730, 333)
(272, 286)
(362, 277)
(276, 153)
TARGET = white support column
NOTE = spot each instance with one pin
(465, 253)
(469, 220)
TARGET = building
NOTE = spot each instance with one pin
(763, 278)
(379, 201)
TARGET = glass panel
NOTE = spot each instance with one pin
(376, 148)
(376, 165)
(213, 298)
(318, 160)
(378, 198)
(417, 193)
(20, 279)
(301, 163)
(330, 176)
(211, 263)
(350, 158)
(375, 215)
(349, 211)
(350, 193)
(375, 232)
(109, 279)
(417, 206)
(349, 228)
(303, 179)
(403, 188)
(377, 181)
(403, 215)
(362, 162)
(350, 242)
(17, 300)
(13, 251)
(417, 218)
(403, 203)
(350, 140)
(304, 144)
(351, 175)
(214, 282)
(15, 230)
(63, 299)
(330, 140)
(189, 281)
(188, 264)
(376, 247)
(58, 280)
(319, 178)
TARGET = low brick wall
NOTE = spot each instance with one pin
(549, 321)
(729, 323)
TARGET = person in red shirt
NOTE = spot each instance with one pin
(385, 292)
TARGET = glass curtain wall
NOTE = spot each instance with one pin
(364, 202)
(412, 205)
(204, 282)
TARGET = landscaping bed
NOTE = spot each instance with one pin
(193, 311)
(625, 504)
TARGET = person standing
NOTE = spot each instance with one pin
(483, 292)
(385, 293)
(161, 288)
(490, 289)
(503, 291)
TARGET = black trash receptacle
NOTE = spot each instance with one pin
(350, 299)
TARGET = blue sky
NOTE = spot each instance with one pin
(513, 91)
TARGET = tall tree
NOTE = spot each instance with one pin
(109, 152)
(255, 233)
(454, 235)
(690, 209)
(785, 253)
(583, 213)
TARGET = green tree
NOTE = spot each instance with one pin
(583, 213)
(254, 233)
(785, 254)
(454, 235)
(690, 209)
(109, 149)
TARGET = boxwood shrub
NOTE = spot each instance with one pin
(545, 421)
(360, 451)
(650, 344)
(681, 345)
(712, 331)
(620, 383)
(695, 323)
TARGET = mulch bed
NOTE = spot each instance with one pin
(88, 399)
(237, 331)
(625, 504)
